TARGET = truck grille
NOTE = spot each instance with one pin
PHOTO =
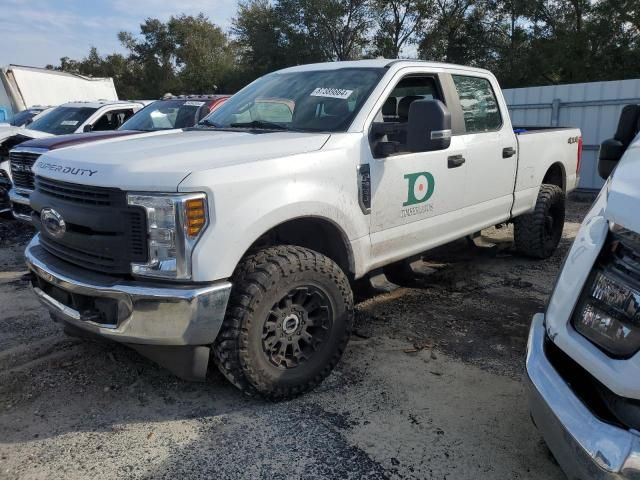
(21, 164)
(76, 193)
(103, 233)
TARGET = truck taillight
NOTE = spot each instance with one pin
(579, 155)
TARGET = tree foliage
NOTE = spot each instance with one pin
(524, 42)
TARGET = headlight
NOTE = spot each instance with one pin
(175, 223)
(609, 311)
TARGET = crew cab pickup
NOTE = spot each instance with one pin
(583, 359)
(242, 236)
(174, 112)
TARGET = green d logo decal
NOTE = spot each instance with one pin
(421, 186)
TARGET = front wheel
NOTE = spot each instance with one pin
(288, 322)
(538, 234)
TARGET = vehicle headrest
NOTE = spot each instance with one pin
(628, 125)
(390, 106)
(403, 106)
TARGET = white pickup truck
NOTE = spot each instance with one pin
(583, 359)
(243, 235)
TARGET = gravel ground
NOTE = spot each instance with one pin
(430, 387)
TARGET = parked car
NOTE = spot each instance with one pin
(25, 117)
(583, 363)
(241, 237)
(167, 114)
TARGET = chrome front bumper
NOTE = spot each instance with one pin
(584, 446)
(147, 313)
(21, 197)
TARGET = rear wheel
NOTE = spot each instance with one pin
(288, 322)
(538, 234)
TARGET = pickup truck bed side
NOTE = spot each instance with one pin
(544, 153)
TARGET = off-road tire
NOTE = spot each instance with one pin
(260, 281)
(537, 234)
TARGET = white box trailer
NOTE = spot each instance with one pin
(24, 87)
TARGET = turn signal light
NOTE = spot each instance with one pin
(196, 216)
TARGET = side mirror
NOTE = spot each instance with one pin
(87, 128)
(611, 152)
(429, 126)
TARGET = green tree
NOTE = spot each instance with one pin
(203, 57)
(397, 23)
(336, 28)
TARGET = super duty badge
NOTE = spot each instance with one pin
(70, 170)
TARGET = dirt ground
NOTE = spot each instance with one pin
(430, 387)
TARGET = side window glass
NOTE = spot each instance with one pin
(479, 104)
(112, 120)
(394, 114)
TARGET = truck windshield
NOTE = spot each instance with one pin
(314, 101)
(62, 120)
(165, 115)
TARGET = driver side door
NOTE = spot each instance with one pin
(413, 194)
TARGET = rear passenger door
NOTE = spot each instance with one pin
(490, 149)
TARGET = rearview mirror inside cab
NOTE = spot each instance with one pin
(429, 126)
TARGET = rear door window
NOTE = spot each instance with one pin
(479, 104)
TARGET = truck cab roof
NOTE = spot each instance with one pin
(101, 103)
(382, 63)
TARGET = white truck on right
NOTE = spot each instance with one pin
(241, 238)
(583, 354)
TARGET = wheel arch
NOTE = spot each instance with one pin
(315, 233)
(556, 175)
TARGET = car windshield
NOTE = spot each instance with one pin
(315, 101)
(165, 115)
(23, 117)
(62, 120)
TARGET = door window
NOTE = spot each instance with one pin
(112, 119)
(479, 104)
(395, 110)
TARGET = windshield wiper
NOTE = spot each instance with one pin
(208, 123)
(259, 124)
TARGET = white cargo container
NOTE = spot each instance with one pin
(23, 87)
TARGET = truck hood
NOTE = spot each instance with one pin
(623, 202)
(161, 162)
(63, 141)
(10, 131)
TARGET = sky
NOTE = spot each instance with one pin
(40, 32)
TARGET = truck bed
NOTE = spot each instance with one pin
(543, 147)
(530, 130)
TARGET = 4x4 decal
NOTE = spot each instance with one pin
(420, 188)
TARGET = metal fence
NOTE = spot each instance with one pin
(593, 107)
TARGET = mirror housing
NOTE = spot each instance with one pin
(611, 152)
(87, 128)
(429, 126)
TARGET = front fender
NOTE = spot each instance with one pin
(247, 201)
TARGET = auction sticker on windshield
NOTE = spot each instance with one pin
(332, 93)
(193, 104)
(69, 122)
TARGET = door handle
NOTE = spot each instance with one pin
(508, 152)
(455, 161)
